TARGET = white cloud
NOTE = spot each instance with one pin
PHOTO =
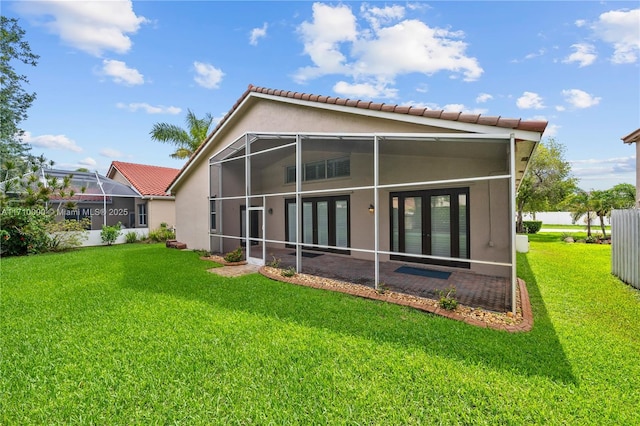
(149, 109)
(378, 16)
(257, 33)
(603, 167)
(584, 54)
(551, 130)
(483, 97)
(384, 50)
(364, 90)
(207, 75)
(580, 23)
(111, 153)
(580, 99)
(57, 142)
(91, 26)
(88, 162)
(530, 100)
(330, 27)
(120, 73)
(621, 28)
(560, 108)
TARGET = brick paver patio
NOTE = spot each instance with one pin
(483, 291)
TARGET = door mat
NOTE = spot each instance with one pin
(430, 273)
(305, 254)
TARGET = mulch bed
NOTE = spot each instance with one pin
(520, 322)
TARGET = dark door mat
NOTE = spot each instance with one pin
(430, 273)
(305, 254)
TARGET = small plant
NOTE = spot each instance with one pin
(110, 234)
(448, 299)
(382, 288)
(130, 237)
(275, 263)
(289, 272)
(591, 239)
(203, 253)
(234, 256)
(162, 234)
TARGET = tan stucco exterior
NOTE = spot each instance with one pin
(403, 162)
(631, 138)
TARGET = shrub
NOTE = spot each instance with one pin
(162, 234)
(448, 299)
(532, 226)
(275, 263)
(289, 272)
(24, 231)
(110, 234)
(234, 256)
(131, 237)
(67, 234)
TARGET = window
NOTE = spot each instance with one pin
(214, 214)
(317, 170)
(325, 222)
(142, 214)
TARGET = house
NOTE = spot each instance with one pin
(309, 174)
(92, 196)
(154, 205)
(631, 138)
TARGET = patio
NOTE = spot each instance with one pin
(474, 290)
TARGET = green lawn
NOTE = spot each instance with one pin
(140, 334)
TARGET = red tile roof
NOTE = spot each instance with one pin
(497, 121)
(147, 180)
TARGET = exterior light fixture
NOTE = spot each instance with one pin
(371, 208)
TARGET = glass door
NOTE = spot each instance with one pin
(431, 222)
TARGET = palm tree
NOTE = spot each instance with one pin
(186, 141)
(582, 203)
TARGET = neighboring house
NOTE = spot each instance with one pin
(360, 180)
(155, 205)
(631, 138)
(95, 197)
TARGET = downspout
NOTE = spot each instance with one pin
(512, 199)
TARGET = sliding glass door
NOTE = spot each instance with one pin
(325, 222)
(431, 222)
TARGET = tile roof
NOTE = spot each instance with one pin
(632, 137)
(497, 121)
(147, 180)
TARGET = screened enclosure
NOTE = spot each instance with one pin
(437, 199)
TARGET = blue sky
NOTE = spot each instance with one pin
(109, 70)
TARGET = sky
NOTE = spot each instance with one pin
(109, 70)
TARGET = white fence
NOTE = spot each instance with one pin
(625, 246)
(562, 218)
(95, 240)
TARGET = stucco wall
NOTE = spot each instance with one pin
(161, 210)
(489, 236)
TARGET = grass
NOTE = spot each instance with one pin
(594, 227)
(139, 334)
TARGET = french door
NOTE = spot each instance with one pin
(325, 222)
(431, 222)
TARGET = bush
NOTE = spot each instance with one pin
(24, 231)
(234, 256)
(110, 234)
(448, 299)
(131, 237)
(162, 234)
(67, 234)
(289, 272)
(532, 226)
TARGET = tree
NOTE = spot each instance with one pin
(581, 203)
(624, 196)
(547, 182)
(186, 141)
(14, 100)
